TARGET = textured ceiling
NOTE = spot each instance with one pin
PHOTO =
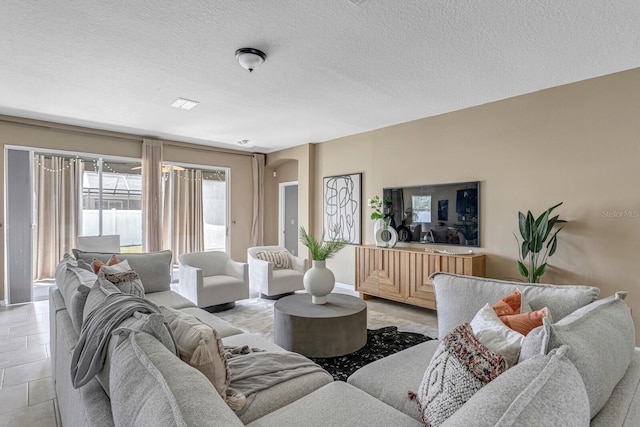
(333, 68)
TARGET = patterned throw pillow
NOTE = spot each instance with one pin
(128, 282)
(460, 366)
(279, 259)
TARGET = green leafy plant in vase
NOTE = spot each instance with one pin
(535, 232)
(319, 281)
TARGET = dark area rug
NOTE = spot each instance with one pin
(380, 343)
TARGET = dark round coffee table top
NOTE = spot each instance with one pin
(337, 305)
(320, 330)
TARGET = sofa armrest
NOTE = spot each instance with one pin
(237, 269)
(299, 264)
(190, 282)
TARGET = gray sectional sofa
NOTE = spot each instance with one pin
(149, 385)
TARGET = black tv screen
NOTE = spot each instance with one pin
(446, 214)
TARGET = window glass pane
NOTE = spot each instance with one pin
(121, 206)
(214, 206)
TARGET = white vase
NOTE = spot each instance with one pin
(319, 282)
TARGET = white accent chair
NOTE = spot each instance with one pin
(273, 283)
(212, 279)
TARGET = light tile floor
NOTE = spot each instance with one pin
(27, 395)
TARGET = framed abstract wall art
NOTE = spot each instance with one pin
(342, 207)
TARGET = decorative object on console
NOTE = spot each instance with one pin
(384, 235)
(534, 232)
(342, 201)
(319, 280)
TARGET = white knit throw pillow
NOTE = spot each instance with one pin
(279, 259)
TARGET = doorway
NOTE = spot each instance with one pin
(288, 216)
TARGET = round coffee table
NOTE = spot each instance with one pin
(336, 328)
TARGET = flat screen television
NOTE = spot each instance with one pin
(446, 214)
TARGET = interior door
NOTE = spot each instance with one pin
(290, 215)
(19, 226)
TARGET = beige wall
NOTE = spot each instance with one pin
(55, 137)
(579, 144)
(303, 158)
(286, 171)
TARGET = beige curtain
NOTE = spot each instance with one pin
(152, 195)
(58, 185)
(183, 213)
(257, 229)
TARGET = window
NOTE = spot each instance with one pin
(112, 201)
(195, 214)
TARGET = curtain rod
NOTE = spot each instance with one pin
(124, 138)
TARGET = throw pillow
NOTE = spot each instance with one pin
(460, 366)
(498, 337)
(120, 267)
(545, 390)
(111, 261)
(279, 259)
(127, 281)
(511, 304)
(201, 347)
(525, 322)
(601, 341)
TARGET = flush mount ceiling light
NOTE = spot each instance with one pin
(185, 104)
(249, 58)
(243, 141)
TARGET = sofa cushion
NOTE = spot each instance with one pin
(154, 268)
(460, 367)
(544, 390)
(598, 335)
(75, 287)
(336, 404)
(152, 387)
(168, 299)
(279, 259)
(460, 297)
(623, 407)
(390, 378)
(152, 324)
(201, 347)
(224, 328)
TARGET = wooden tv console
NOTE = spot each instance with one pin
(402, 274)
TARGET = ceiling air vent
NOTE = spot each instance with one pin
(185, 104)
